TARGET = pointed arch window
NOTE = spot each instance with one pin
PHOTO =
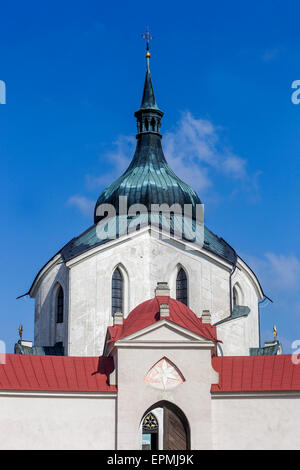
(117, 292)
(60, 305)
(237, 295)
(181, 286)
(234, 297)
(150, 423)
(150, 431)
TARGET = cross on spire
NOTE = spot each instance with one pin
(148, 37)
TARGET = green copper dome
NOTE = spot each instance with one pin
(148, 179)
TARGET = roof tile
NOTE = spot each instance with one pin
(256, 374)
(56, 373)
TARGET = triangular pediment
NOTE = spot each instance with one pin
(165, 331)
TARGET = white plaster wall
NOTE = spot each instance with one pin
(234, 339)
(46, 332)
(256, 423)
(192, 397)
(90, 292)
(51, 422)
(240, 334)
(57, 423)
(144, 260)
(208, 282)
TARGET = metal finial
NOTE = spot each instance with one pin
(275, 331)
(148, 38)
(21, 331)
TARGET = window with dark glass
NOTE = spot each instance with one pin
(181, 287)
(60, 306)
(117, 292)
(150, 432)
(234, 296)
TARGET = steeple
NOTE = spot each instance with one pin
(148, 179)
(148, 115)
(148, 100)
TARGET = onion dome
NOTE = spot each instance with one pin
(148, 179)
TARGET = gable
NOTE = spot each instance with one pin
(165, 331)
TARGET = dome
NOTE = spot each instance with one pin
(147, 313)
(148, 180)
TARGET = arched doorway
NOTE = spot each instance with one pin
(171, 433)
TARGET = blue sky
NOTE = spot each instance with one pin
(222, 73)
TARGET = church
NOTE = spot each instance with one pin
(144, 339)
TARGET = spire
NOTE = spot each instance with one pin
(148, 100)
(148, 115)
(148, 179)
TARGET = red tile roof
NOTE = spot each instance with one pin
(90, 374)
(56, 373)
(147, 313)
(256, 374)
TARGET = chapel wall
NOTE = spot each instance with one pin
(256, 422)
(57, 422)
(90, 300)
(46, 331)
(143, 261)
(192, 397)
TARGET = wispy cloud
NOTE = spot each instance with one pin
(118, 159)
(83, 204)
(195, 152)
(277, 271)
(285, 270)
(279, 275)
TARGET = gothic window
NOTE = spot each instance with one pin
(234, 296)
(150, 423)
(150, 432)
(237, 295)
(60, 305)
(117, 292)
(181, 287)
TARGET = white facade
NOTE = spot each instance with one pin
(256, 421)
(143, 260)
(112, 420)
(163, 366)
(53, 420)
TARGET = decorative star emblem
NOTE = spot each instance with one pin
(164, 375)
